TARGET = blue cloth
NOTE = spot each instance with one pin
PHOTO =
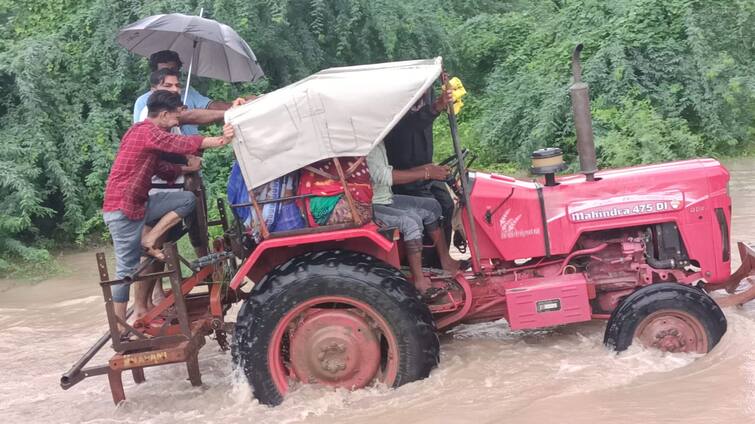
(237, 194)
(194, 101)
(278, 216)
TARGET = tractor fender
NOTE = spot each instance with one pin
(276, 250)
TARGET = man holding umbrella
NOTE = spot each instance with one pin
(211, 49)
(200, 110)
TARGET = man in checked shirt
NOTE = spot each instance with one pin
(136, 220)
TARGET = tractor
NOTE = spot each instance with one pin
(639, 247)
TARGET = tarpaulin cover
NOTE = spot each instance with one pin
(335, 112)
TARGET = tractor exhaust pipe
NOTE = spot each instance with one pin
(580, 104)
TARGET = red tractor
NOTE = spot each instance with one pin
(639, 247)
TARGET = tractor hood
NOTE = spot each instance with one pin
(523, 219)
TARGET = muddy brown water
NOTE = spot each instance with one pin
(488, 374)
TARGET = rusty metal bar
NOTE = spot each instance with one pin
(192, 366)
(185, 262)
(138, 374)
(107, 293)
(142, 266)
(347, 194)
(746, 272)
(152, 343)
(144, 277)
(112, 318)
(116, 386)
(71, 379)
(738, 299)
(264, 202)
(171, 258)
(258, 211)
(77, 372)
(186, 287)
(221, 211)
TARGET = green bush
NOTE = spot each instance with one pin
(669, 80)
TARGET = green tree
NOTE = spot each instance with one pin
(669, 80)
(687, 65)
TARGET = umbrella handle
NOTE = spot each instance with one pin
(191, 62)
(188, 78)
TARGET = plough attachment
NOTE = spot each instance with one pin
(745, 273)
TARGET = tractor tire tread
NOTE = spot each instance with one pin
(361, 275)
(642, 302)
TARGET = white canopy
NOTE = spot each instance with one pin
(335, 112)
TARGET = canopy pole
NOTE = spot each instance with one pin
(258, 210)
(462, 174)
(191, 63)
(346, 193)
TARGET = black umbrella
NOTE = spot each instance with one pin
(211, 49)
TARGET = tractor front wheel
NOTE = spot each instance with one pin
(338, 319)
(670, 317)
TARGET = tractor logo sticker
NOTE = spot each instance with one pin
(625, 210)
(509, 228)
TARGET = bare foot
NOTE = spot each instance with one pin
(421, 283)
(451, 266)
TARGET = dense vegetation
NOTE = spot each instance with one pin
(670, 79)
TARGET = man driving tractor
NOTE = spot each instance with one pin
(409, 145)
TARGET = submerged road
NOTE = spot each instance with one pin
(487, 374)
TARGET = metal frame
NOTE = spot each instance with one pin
(265, 232)
(177, 340)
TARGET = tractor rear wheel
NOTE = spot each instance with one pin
(333, 318)
(667, 316)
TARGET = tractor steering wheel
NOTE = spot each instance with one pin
(454, 180)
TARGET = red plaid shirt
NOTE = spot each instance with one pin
(137, 160)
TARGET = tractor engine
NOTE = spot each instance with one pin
(623, 260)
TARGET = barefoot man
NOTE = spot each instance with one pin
(136, 220)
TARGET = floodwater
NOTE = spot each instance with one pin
(487, 374)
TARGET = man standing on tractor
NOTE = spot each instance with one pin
(136, 220)
(167, 79)
(199, 110)
(209, 110)
(410, 145)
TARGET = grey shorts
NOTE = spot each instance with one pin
(127, 233)
(410, 214)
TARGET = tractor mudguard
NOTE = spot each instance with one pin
(273, 251)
